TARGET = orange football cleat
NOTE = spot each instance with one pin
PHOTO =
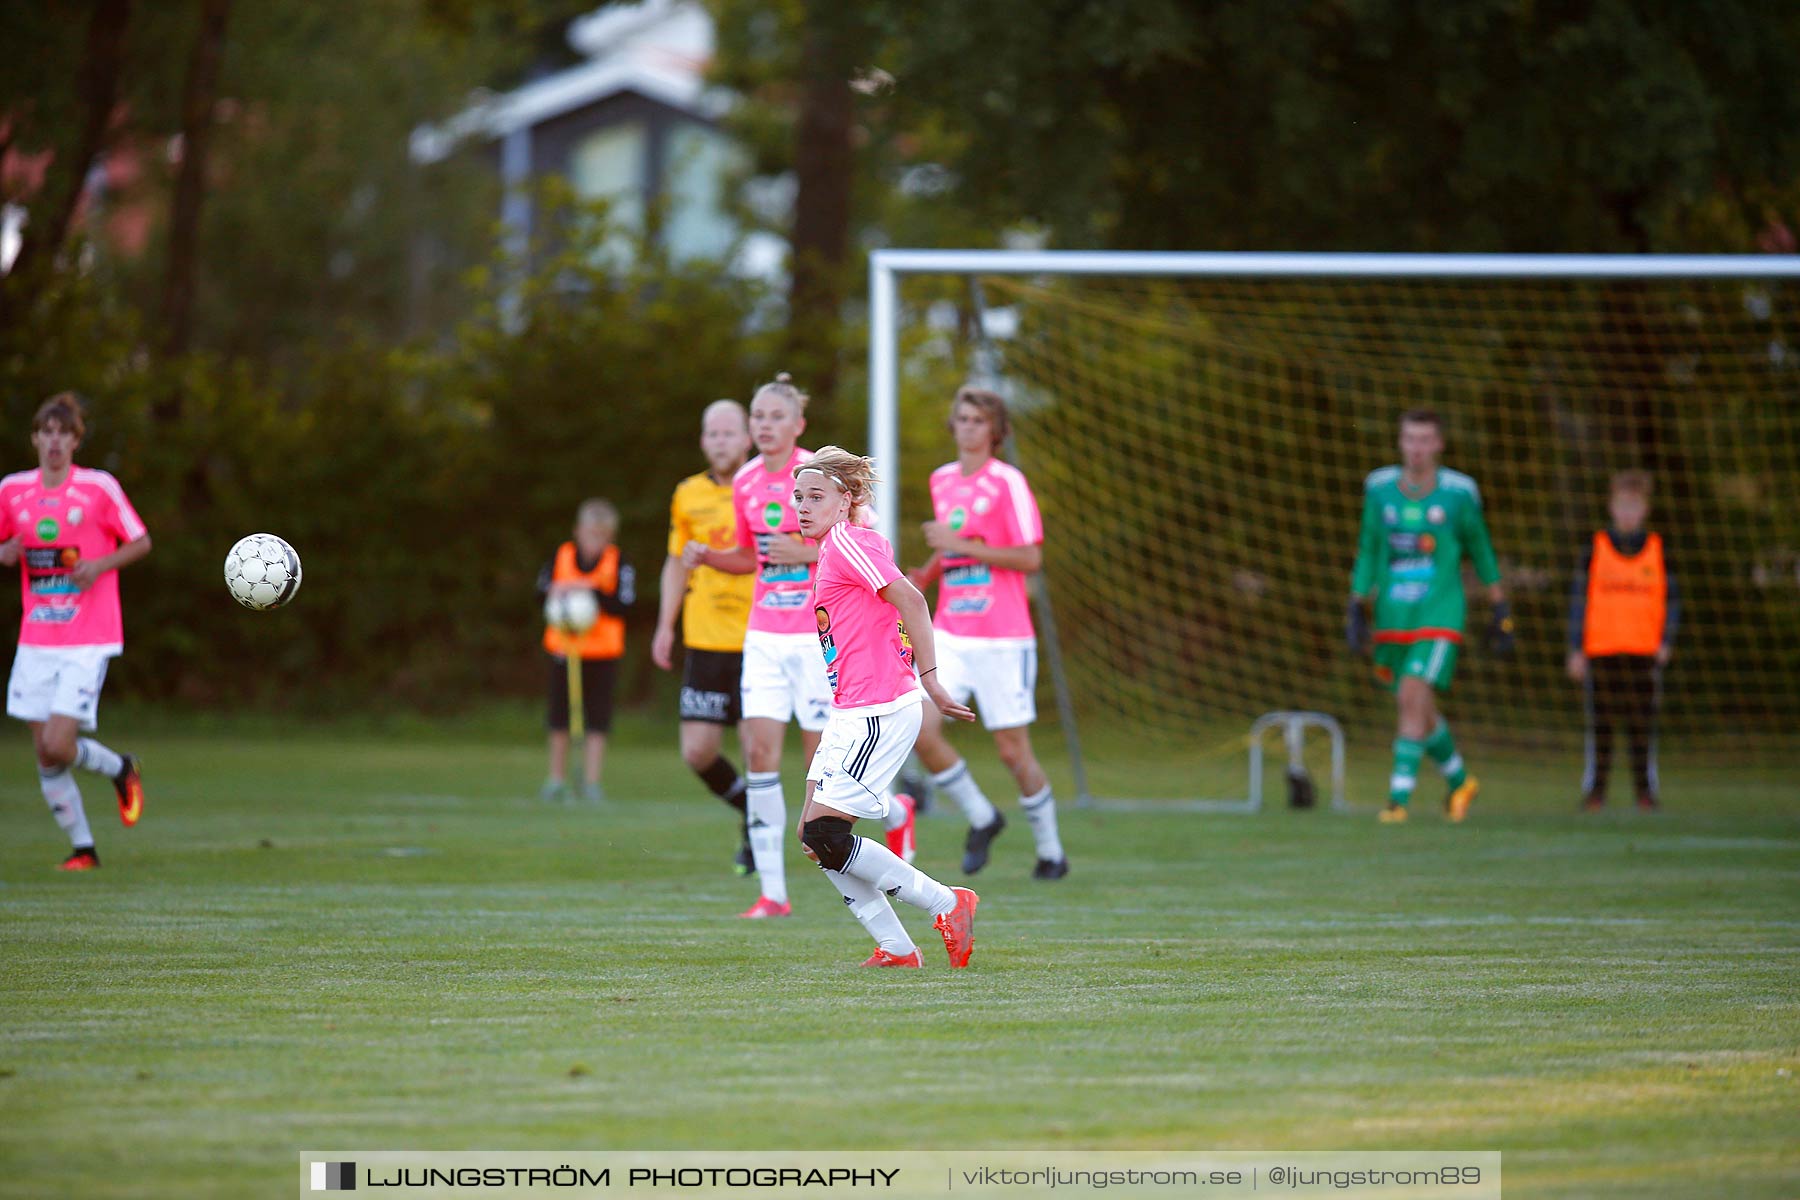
(1457, 806)
(81, 860)
(130, 786)
(881, 958)
(958, 927)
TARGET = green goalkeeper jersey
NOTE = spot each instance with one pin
(1410, 554)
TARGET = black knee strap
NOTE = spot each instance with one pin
(830, 840)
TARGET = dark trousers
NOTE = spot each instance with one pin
(1622, 689)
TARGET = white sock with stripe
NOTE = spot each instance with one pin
(960, 786)
(871, 909)
(872, 862)
(63, 795)
(1040, 812)
(92, 756)
(766, 812)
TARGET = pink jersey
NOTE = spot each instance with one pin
(86, 518)
(868, 657)
(994, 506)
(764, 503)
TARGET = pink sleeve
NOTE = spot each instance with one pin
(123, 521)
(744, 537)
(868, 560)
(1024, 526)
(6, 521)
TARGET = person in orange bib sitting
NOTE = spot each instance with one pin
(593, 562)
(1623, 610)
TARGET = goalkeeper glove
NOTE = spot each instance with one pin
(1500, 631)
(1356, 626)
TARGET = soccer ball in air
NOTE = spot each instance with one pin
(571, 610)
(262, 571)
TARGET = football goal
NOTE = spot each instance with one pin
(1198, 427)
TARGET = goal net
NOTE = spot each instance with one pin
(1198, 446)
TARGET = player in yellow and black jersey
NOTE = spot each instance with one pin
(714, 608)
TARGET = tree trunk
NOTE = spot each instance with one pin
(103, 61)
(199, 94)
(823, 162)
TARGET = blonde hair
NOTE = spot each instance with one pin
(598, 512)
(853, 474)
(782, 388)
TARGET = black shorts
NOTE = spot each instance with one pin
(709, 687)
(597, 678)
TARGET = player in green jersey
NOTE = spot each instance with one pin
(1418, 521)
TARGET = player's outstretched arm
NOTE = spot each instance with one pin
(909, 602)
(739, 560)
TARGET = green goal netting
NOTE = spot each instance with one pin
(1198, 447)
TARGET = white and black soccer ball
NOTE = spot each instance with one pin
(262, 571)
(572, 610)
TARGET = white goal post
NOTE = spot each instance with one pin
(888, 266)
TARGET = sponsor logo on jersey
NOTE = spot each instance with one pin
(968, 606)
(784, 600)
(959, 516)
(51, 558)
(1390, 514)
(968, 575)
(53, 614)
(1412, 514)
(75, 515)
(53, 585)
(47, 529)
(1435, 514)
(772, 514)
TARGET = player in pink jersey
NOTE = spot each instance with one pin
(782, 676)
(877, 707)
(987, 537)
(70, 529)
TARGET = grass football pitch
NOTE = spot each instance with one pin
(383, 941)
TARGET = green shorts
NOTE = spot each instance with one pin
(1433, 660)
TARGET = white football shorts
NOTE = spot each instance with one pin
(58, 681)
(1001, 675)
(859, 756)
(784, 679)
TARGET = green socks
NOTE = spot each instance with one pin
(1407, 754)
(1442, 748)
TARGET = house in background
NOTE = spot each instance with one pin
(635, 124)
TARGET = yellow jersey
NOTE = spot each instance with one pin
(717, 606)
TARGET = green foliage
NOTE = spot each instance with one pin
(1309, 124)
(422, 487)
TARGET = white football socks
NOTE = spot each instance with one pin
(961, 787)
(1040, 811)
(92, 756)
(896, 813)
(874, 863)
(871, 908)
(766, 811)
(63, 795)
